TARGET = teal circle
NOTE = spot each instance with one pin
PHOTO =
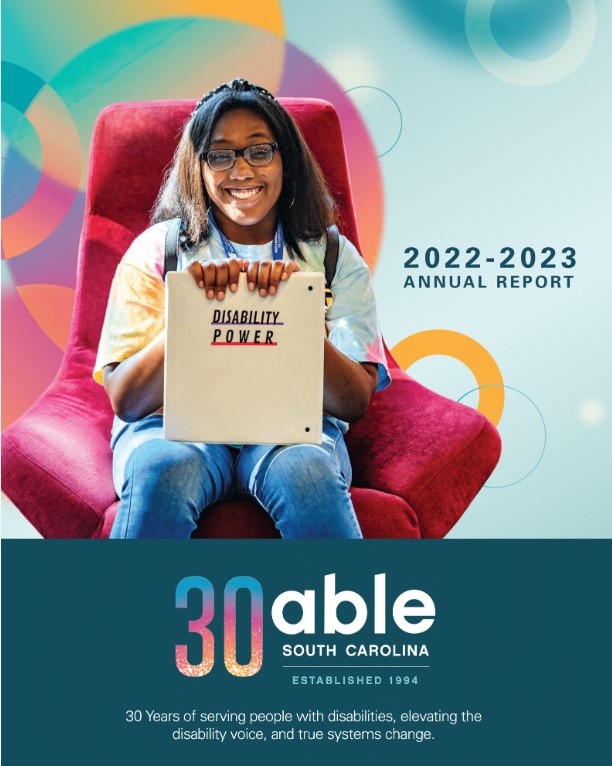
(528, 30)
(537, 409)
(394, 102)
(531, 73)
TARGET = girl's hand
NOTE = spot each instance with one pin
(264, 275)
(216, 276)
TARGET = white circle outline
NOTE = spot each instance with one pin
(531, 73)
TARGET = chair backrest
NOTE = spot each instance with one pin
(132, 146)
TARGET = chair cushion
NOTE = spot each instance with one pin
(380, 515)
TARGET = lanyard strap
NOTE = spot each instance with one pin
(278, 243)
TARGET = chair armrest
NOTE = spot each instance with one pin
(433, 452)
(57, 460)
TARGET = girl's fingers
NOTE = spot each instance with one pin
(252, 274)
(195, 269)
(215, 277)
(222, 279)
(210, 278)
(275, 275)
(235, 267)
(289, 268)
(263, 277)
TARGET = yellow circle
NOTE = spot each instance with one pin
(464, 349)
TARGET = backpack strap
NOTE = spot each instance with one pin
(332, 249)
(172, 246)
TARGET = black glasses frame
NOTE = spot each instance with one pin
(241, 153)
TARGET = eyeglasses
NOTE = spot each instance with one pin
(256, 155)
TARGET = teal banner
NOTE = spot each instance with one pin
(214, 652)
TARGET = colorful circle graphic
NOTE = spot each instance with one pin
(530, 73)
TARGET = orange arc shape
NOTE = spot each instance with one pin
(51, 308)
(97, 21)
(265, 14)
(465, 349)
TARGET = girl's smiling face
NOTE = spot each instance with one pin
(244, 198)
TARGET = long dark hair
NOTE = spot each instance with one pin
(305, 205)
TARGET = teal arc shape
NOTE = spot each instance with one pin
(20, 86)
(399, 111)
(537, 409)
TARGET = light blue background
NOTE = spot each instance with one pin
(483, 162)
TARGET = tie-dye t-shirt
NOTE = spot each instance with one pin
(135, 313)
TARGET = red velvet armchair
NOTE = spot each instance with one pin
(418, 458)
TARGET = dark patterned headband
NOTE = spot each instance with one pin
(239, 85)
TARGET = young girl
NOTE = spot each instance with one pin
(251, 198)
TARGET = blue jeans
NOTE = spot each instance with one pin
(164, 486)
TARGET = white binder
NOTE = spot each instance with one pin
(247, 369)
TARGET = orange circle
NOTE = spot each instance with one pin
(465, 349)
